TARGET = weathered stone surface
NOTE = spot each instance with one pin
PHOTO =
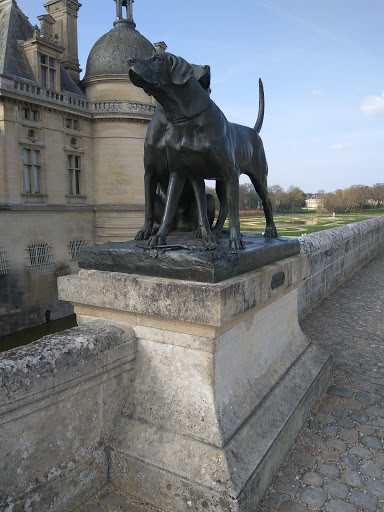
(313, 478)
(335, 488)
(313, 497)
(363, 501)
(228, 394)
(252, 441)
(185, 257)
(372, 442)
(291, 506)
(51, 392)
(353, 479)
(336, 505)
(183, 300)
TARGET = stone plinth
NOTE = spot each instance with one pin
(186, 257)
(224, 381)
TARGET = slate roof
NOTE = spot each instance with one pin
(15, 28)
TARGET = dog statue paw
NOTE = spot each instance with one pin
(271, 232)
(207, 237)
(236, 243)
(156, 240)
(143, 234)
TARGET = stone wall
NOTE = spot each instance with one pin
(59, 398)
(334, 255)
(37, 247)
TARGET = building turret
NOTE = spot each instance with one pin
(122, 113)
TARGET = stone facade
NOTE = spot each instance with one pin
(71, 154)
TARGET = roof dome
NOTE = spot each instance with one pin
(110, 54)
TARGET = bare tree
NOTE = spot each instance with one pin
(276, 193)
(296, 197)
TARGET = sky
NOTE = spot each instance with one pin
(321, 64)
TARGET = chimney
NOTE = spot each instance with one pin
(160, 47)
(64, 12)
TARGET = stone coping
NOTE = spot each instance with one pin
(59, 360)
(213, 304)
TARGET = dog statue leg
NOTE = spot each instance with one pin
(223, 212)
(270, 230)
(262, 191)
(204, 230)
(175, 187)
(235, 238)
(150, 184)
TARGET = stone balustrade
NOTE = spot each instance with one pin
(130, 107)
(334, 255)
(35, 92)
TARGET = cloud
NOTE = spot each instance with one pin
(373, 105)
(338, 147)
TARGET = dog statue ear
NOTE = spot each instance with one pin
(203, 75)
(181, 70)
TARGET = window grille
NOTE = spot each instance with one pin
(75, 248)
(40, 256)
(3, 262)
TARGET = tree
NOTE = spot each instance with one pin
(356, 197)
(276, 194)
(377, 193)
(248, 198)
(295, 196)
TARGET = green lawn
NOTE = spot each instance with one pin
(304, 223)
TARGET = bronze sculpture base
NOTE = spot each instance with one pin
(185, 257)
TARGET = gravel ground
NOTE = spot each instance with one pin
(337, 462)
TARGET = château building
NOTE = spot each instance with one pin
(71, 151)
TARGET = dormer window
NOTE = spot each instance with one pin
(48, 72)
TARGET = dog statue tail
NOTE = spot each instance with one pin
(260, 117)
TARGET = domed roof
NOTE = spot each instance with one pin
(110, 54)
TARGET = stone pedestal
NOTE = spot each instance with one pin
(224, 381)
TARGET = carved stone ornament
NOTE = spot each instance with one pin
(32, 135)
(74, 142)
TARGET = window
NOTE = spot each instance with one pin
(31, 162)
(75, 247)
(48, 71)
(40, 256)
(3, 262)
(74, 173)
(72, 124)
(30, 115)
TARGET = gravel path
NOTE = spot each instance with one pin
(337, 462)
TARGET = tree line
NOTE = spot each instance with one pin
(356, 198)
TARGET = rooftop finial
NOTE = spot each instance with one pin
(119, 11)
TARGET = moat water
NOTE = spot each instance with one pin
(26, 336)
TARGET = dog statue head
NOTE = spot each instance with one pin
(163, 69)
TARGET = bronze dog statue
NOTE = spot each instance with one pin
(201, 144)
(157, 173)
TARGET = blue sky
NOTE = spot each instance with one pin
(321, 64)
